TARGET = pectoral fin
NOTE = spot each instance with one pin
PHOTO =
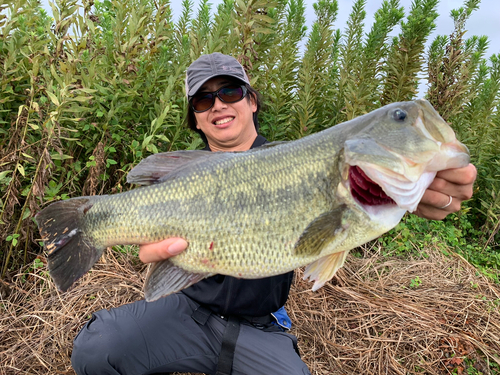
(324, 269)
(165, 278)
(326, 232)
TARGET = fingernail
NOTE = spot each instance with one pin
(177, 247)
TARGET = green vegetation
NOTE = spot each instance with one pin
(84, 96)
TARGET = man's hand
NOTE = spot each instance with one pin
(455, 183)
(154, 252)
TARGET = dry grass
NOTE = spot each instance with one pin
(370, 320)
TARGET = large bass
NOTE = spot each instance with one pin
(265, 211)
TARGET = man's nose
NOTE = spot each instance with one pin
(218, 104)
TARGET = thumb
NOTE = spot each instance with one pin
(165, 249)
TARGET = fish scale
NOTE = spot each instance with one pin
(262, 212)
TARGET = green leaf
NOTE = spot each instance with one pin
(82, 98)
(262, 30)
(20, 168)
(69, 139)
(57, 156)
(87, 91)
(76, 109)
(146, 141)
(4, 174)
(162, 137)
(26, 214)
(264, 18)
(242, 5)
(53, 98)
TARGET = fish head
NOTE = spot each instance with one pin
(396, 154)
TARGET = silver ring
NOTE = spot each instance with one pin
(447, 204)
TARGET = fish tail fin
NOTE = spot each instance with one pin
(70, 252)
(324, 269)
(165, 278)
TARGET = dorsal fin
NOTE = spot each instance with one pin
(154, 168)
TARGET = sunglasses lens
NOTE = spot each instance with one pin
(204, 102)
(231, 94)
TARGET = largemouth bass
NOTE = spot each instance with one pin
(265, 211)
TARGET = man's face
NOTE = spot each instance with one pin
(227, 126)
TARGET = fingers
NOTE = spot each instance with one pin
(431, 205)
(455, 183)
(165, 249)
(461, 176)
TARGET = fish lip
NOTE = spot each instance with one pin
(218, 118)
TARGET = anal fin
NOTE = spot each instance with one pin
(165, 278)
(324, 269)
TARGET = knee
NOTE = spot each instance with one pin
(96, 345)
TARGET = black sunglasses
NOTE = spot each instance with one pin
(203, 101)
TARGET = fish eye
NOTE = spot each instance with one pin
(399, 115)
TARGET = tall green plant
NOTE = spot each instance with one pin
(311, 111)
(279, 81)
(350, 60)
(452, 68)
(221, 38)
(406, 56)
(251, 21)
(362, 86)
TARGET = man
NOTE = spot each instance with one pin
(221, 325)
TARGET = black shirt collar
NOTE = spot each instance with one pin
(259, 141)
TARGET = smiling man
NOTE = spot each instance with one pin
(226, 127)
(220, 325)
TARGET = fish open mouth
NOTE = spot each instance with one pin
(365, 190)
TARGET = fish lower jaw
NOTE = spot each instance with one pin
(408, 196)
(388, 215)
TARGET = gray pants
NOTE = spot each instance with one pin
(161, 336)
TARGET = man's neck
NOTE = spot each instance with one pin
(240, 146)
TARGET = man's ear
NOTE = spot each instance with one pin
(253, 101)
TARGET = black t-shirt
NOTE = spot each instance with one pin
(227, 295)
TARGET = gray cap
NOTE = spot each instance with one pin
(213, 65)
